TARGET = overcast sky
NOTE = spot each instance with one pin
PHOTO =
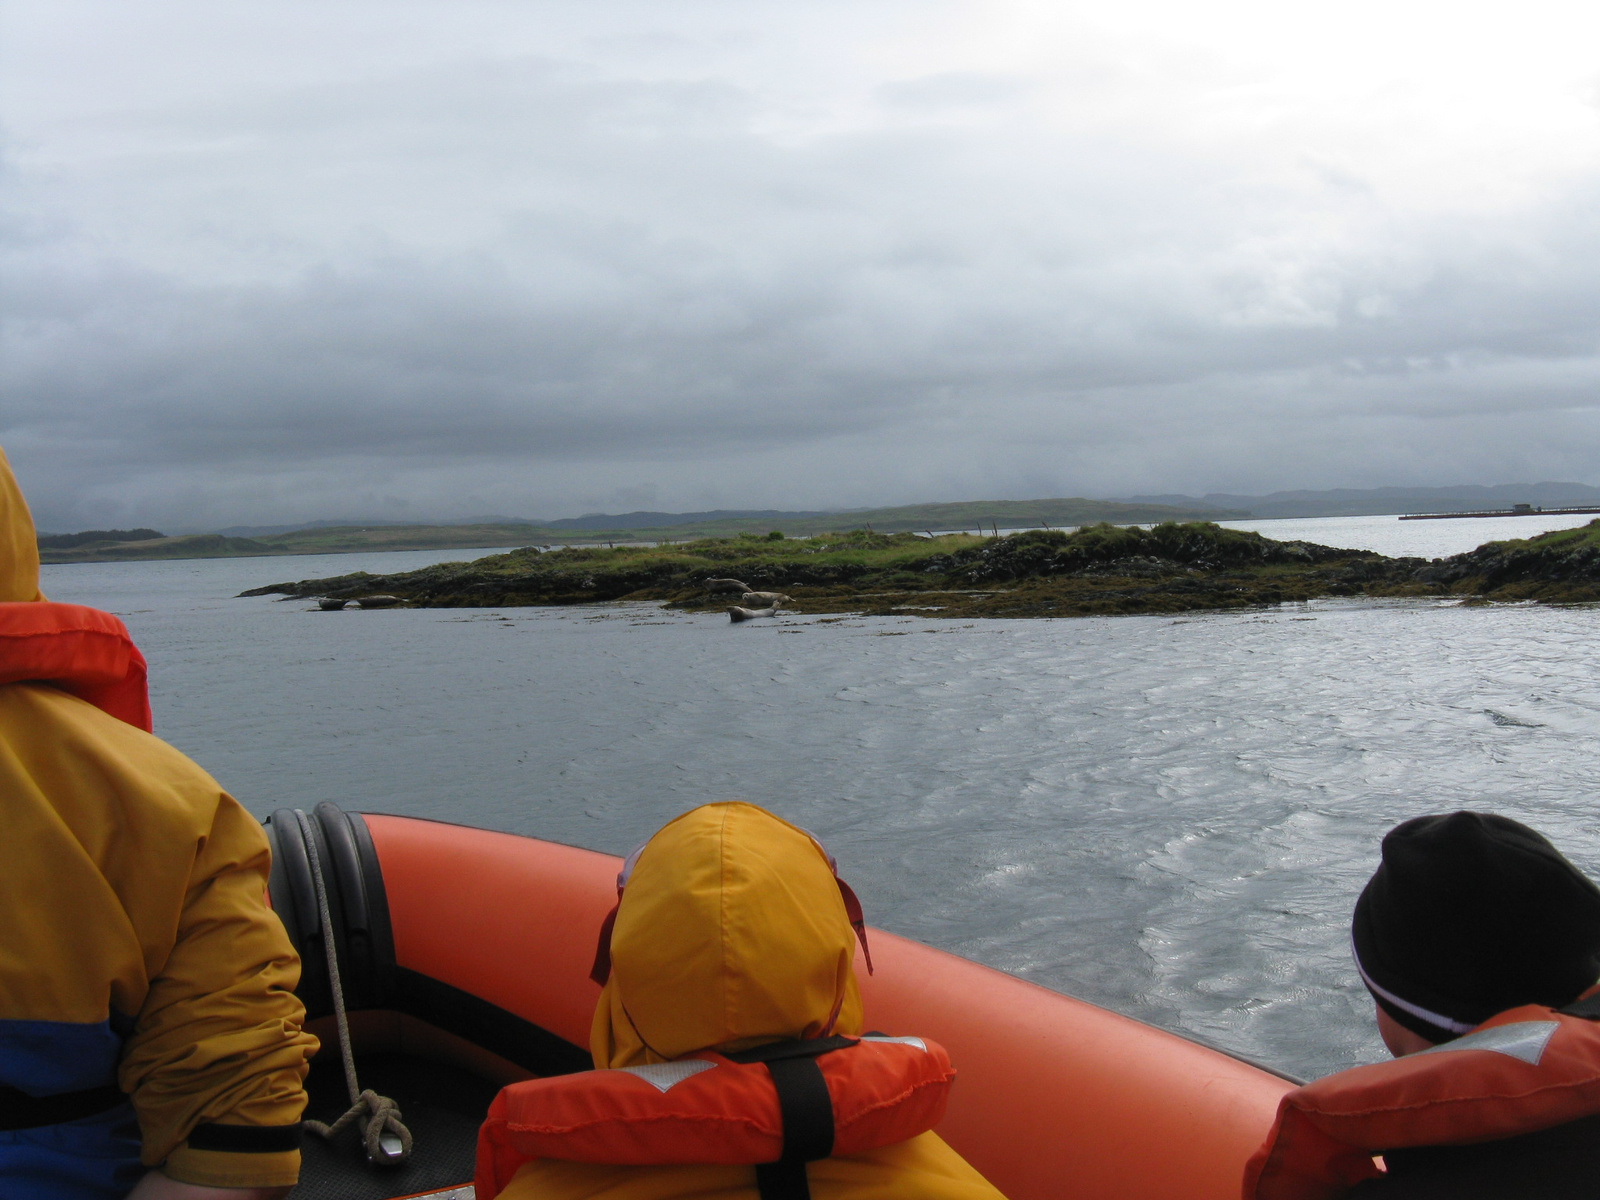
(273, 261)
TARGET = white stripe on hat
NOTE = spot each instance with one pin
(1438, 1020)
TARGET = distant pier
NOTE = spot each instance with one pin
(1516, 510)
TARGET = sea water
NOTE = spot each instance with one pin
(1168, 816)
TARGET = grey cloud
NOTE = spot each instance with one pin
(952, 89)
(526, 286)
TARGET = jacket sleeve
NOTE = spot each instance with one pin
(217, 1059)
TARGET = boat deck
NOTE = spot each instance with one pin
(441, 1105)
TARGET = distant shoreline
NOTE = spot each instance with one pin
(981, 515)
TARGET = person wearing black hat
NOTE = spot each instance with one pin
(1469, 915)
(1471, 920)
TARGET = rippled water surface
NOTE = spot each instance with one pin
(1171, 817)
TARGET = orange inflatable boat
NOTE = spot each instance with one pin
(463, 957)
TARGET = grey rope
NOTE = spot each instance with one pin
(387, 1139)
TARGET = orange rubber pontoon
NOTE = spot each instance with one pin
(466, 954)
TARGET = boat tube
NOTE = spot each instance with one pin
(464, 955)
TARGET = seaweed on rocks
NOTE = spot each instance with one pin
(1561, 567)
(1197, 544)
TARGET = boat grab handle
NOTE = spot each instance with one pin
(387, 1140)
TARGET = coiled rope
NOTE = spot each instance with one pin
(387, 1140)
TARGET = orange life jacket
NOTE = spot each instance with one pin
(1523, 1070)
(80, 650)
(711, 1108)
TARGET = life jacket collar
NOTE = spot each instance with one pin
(774, 1107)
(80, 650)
(1527, 1069)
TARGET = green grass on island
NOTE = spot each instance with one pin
(1101, 569)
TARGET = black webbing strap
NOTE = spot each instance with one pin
(783, 1180)
(793, 1048)
(245, 1139)
(806, 1110)
(18, 1110)
(807, 1113)
(1588, 1009)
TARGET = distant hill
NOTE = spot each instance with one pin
(1351, 502)
(1018, 514)
(633, 520)
(255, 531)
(662, 520)
(69, 541)
(302, 540)
(320, 538)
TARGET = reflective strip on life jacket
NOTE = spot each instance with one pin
(80, 650)
(1523, 1070)
(713, 1109)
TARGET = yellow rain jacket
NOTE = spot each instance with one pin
(732, 933)
(138, 951)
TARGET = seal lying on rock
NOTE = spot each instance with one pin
(726, 585)
(735, 613)
(752, 599)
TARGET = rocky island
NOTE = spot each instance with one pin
(1101, 569)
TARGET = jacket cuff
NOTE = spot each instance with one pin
(238, 1156)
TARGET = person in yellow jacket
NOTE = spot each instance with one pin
(150, 1039)
(732, 933)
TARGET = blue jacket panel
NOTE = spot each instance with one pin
(45, 1058)
(96, 1158)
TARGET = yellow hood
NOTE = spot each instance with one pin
(731, 932)
(19, 547)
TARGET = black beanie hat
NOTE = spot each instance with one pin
(1469, 915)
